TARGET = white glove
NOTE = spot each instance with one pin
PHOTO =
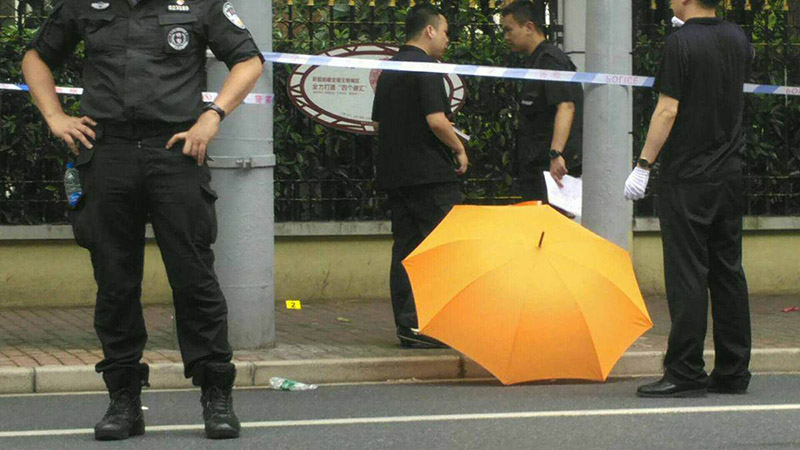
(677, 23)
(636, 184)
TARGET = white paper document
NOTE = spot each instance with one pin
(464, 136)
(569, 198)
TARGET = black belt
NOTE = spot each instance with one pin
(141, 129)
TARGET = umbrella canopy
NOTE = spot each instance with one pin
(527, 293)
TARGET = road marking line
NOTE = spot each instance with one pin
(442, 418)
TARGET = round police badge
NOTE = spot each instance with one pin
(230, 13)
(178, 38)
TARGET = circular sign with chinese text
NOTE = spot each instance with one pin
(342, 98)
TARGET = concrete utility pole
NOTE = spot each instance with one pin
(242, 176)
(573, 17)
(607, 122)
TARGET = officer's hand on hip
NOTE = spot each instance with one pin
(558, 168)
(195, 141)
(463, 162)
(636, 184)
(71, 129)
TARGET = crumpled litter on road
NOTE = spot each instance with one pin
(285, 384)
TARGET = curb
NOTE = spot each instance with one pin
(14, 380)
(51, 379)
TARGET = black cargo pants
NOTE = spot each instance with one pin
(532, 188)
(129, 178)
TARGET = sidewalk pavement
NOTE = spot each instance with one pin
(55, 349)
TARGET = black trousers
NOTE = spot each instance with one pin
(128, 180)
(416, 211)
(532, 187)
(701, 226)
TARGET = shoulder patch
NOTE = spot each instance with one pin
(230, 13)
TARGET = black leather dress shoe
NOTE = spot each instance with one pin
(666, 389)
(411, 338)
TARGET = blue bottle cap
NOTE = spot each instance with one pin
(70, 165)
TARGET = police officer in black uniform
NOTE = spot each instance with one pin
(698, 122)
(550, 133)
(141, 149)
(419, 156)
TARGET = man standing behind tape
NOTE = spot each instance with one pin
(144, 76)
(416, 149)
(698, 122)
(550, 130)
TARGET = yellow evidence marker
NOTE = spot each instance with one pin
(293, 304)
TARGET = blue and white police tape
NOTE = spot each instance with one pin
(497, 72)
(252, 99)
(460, 69)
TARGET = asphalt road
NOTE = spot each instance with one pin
(431, 416)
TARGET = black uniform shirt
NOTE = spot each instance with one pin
(704, 66)
(145, 62)
(408, 151)
(538, 104)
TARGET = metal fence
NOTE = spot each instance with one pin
(23, 13)
(343, 164)
(325, 174)
(772, 169)
(772, 155)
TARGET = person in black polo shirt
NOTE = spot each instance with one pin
(698, 122)
(140, 147)
(417, 148)
(550, 130)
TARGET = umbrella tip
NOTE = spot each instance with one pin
(541, 238)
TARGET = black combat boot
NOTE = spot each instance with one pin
(217, 400)
(124, 416)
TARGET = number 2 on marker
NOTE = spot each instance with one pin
(293, 304)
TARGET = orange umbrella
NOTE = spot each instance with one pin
(527, 293)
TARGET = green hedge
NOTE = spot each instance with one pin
(772, 152)
(325, 174)
(31, 160)
(307, 151)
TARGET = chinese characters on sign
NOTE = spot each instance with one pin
(338, 84)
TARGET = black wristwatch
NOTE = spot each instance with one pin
(644, 163)
(211, 106)
(555, 154)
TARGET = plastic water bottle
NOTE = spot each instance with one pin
(72, 185)
(283, 384)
